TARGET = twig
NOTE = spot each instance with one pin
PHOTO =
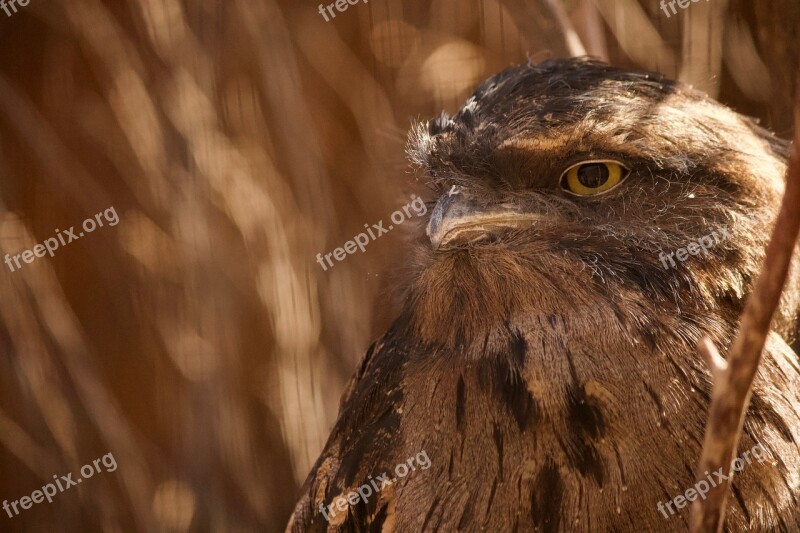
(733, 379)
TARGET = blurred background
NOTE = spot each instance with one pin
(198, 340)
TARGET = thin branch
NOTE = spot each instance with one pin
(733, 379)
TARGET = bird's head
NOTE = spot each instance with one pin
(565, 186)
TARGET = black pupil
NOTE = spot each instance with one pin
(593, 175)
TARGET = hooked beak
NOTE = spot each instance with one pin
(458, 220)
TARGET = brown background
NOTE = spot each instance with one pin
(198, 340)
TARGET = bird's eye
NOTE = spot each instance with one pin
(591, 178)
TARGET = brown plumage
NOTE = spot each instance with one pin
(544, 359)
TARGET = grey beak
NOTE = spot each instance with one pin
(450, 210)
(458, 219)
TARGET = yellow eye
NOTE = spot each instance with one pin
(591, 178)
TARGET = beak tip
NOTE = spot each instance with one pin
(434, 229)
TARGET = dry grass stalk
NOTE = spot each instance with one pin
(733, 378)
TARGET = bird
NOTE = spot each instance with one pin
(542, 371)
